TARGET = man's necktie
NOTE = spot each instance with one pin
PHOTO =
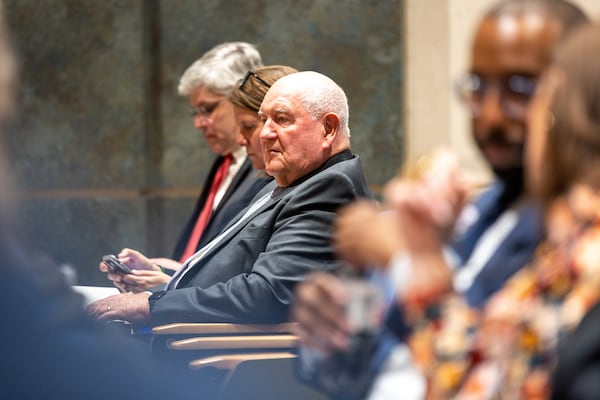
(197, 256)
(206, 212)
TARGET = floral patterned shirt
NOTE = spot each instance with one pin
(507, 350)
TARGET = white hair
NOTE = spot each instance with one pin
(319, 95)
(220, 68)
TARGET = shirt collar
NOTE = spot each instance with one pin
(239, 155)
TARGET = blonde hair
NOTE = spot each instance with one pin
(250, 92)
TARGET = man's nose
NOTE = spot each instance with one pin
(268, 132)
(200, 122)
(490, 111)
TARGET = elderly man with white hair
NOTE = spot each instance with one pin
(248, 272)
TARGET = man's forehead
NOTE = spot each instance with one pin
(202, 94)
(277, 99)
(510, 26)
(519, 44)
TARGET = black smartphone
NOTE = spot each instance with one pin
(115, 265)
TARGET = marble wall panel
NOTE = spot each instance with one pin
(105, 150)
(78, 232)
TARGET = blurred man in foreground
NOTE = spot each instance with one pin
(494, 236)
(49, 347)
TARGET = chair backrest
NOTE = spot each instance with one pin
(253, 361)
(266, 379)
(220, 328)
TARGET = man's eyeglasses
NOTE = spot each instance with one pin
(205, 110)
(256, 77)
(514, 93)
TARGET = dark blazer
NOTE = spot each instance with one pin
(250, 275)
(245, 184)
(513, 253)
(577, 376)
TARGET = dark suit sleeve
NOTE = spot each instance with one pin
(299, 243)
(578, 371)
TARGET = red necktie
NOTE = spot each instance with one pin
(206, 212)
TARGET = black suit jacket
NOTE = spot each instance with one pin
(250, 275)
(577, 376)
(245, 184)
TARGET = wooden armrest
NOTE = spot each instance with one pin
(219, 328)
(235, 342)
(231, 361)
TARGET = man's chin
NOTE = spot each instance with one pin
(217, 150)
(513, 178)
(270, 170)
(501, 157)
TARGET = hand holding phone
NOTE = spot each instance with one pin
(115, 265)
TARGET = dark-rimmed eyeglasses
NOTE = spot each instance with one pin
(514, 93)
(205, 110)
(256, 77)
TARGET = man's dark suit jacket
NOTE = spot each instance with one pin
(250, 275)
(245, 184)
(513, 253)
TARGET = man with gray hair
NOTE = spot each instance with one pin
(207, 84)
(231, 182)
(247, 274)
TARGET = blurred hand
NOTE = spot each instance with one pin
(125, 306)
(433, 199)
(426, 207)
(414, 215)
(429, 280)
(319, 309)
(365, 236)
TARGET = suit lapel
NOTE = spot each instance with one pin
(244, 170)
(231, 231)
(185, 234)
(269, 204)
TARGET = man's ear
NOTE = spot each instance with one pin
(331, 125)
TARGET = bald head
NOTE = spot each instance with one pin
(319, 95)
(563, 12)
(538, 25)
(305, 119)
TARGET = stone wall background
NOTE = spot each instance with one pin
(104, 149)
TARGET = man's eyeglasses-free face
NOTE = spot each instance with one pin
(205, 110)
(256, 77)
(514, 93)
